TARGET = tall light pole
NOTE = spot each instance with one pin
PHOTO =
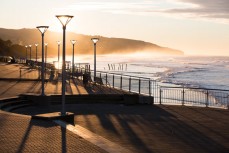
(36, 51)
(58, 42)
(95, 40)
(30, 46)
(73, 54)
(42, 29)
(30, 63)
(64, 19)
(46, 53)
(26, 54)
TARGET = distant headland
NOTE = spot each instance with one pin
(13, 42)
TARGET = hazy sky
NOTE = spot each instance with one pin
(195, 26)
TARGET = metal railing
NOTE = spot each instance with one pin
(193, 96)
(174, 95)
(140, 85)
(32, 70)
(166, 94)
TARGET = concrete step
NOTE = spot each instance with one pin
(14, 103)
(87, 99)
(13, 107)
(10, 103)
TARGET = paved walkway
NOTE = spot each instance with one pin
(10, 88)
(137, 128)
(157, 128)
(23, 134)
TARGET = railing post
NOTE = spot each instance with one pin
(139, 86)
(113, 80)
(129, 84)
(121, 82)
(100, 75)
(149, 87)
(183, 96)
(227, 101)
(106, 79)
(160, 96)
(207, 96)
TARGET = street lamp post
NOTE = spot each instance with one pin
(30, 46)
(73, 54)
(64, 19)
(30, 63)
(26, 54)
(42, 29)
(46, 53)
(36, 51)
(58, 42)
(95, 40)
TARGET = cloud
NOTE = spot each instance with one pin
(217, 10)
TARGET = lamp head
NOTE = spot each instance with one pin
(30, 46)
(64, 19)
(95, 40)
(58, 42)
(46, 44)
(42, 29)
(73, 41)
(36, 44)
(26, 46)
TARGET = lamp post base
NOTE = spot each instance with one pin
(68, 117)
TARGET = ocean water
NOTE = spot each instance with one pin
(191, 71)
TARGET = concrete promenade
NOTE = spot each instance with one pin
(108, 127)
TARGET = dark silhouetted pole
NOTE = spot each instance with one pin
(42, 29)
(30, 46)
(26, 56)
(73, 55)
(64, 19)
(36, 51)
(95, 40)
(58, 42)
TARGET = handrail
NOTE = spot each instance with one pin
(146, 78)
(195, 88)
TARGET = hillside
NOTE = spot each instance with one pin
(83, 46)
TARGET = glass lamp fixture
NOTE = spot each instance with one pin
(42, 29)
(95, 40)
(64, 19)
(73, 41)
(58, 42)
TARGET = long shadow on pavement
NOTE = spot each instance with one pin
(147, 129)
